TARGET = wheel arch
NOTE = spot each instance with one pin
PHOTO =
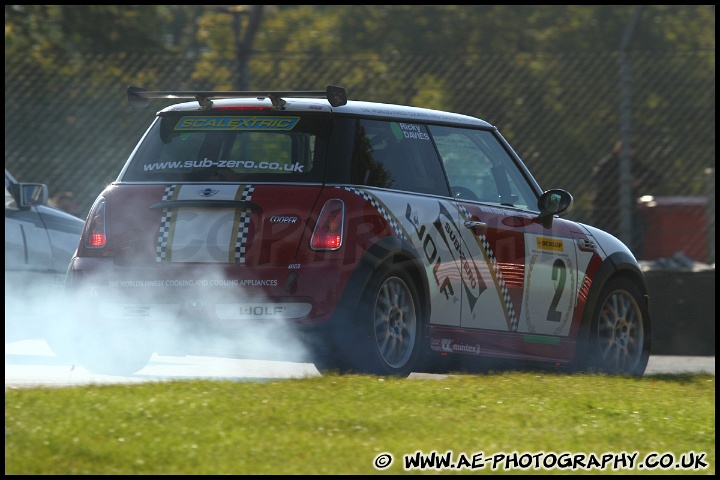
(347, 340)
(391, 250)
(387, 250)
(620, 264)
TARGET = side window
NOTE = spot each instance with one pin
(479, 168)
(396, 155)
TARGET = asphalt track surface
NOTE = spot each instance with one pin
(30, 363)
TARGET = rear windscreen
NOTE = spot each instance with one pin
(202, 147)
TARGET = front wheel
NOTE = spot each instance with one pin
(387, 328)
(619, 341)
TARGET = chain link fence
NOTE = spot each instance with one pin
(68, 123)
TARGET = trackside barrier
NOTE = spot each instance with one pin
(682, 308)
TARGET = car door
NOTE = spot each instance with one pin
(399, 164)
(528, 270)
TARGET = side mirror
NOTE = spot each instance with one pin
(554, 202)
(32, 194)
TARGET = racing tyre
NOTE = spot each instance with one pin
(619, 340)
(387, 327)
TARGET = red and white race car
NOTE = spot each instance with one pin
(371, 238)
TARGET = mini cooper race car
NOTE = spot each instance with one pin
(363, 237)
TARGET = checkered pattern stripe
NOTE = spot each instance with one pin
(164, 232)
(243, 226)
(381, 209)
(490, 255)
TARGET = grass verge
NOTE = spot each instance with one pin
(346, 424)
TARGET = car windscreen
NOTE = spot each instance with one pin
(222, 147)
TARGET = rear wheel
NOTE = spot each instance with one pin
(619, 341)
(387, 328)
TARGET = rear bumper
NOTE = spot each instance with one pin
(269, 313)
(225, 295)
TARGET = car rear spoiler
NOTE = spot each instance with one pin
(140, 97)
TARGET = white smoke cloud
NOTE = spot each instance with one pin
(122, 329)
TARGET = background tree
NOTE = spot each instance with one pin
(546, 75)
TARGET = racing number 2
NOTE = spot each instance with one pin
(559, 275)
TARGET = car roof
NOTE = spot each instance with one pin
(333, 99)
(352, 107)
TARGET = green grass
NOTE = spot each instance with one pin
(339, 424)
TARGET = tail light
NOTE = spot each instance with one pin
(328, 233)
(95, 235)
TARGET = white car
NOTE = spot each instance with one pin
(39, 243)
